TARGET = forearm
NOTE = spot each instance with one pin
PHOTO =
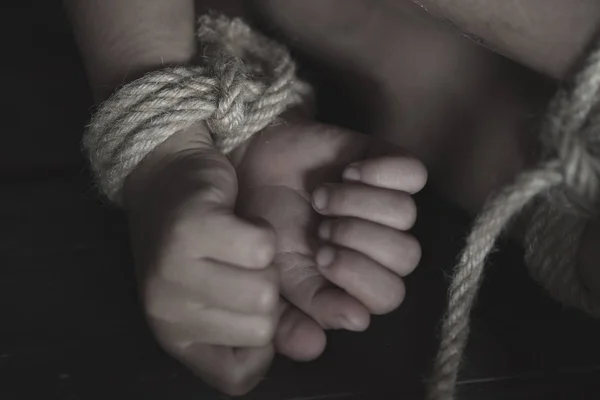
(121, 39)
(546, 35)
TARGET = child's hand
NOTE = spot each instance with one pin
(208, 288)
(366, 249)
(342, 247)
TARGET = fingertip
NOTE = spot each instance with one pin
(325, 256)
(412, 255)
(419, 175)
(405, 173)
(392, 300)
(320, 199)
(334, 308)
(356, 322)
(352, 173)
(299, 337)
(409, 214)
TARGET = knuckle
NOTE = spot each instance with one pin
(267, 296)
(263, 248)
(263, 332)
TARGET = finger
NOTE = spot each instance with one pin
(383, 206)
(232, 371)
(406, 174)
(298, 336)
(524, 32)
(306, 288)
(179, 321)
(222, 236)
(220, 286)
(380, 290)
(398, 251)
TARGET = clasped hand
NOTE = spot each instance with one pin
(301, 230)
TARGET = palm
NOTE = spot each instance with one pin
(279, 171)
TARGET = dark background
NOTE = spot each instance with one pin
(71, 326)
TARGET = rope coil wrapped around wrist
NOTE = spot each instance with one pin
(249, 82)
(563, 192)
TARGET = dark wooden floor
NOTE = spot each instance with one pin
(71, 327)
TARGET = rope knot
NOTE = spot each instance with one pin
(571, 136)
(566, 191)
(580, 190)
(255, 79)
(242, 83)
(230, 98)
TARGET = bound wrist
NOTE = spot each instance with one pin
(154, 169)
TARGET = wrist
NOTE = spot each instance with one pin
(155, 169)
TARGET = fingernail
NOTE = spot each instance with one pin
(325, 256)
(351, 173)
(352, 324)
(325, 230)
(320, 198)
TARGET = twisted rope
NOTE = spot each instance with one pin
(249, 82)
(564, 191)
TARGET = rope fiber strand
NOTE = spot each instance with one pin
(564, 193)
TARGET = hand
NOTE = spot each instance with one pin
(207, 285)
(342, 245)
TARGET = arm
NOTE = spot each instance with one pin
(121, 39)
(209, 304)
(546, 35)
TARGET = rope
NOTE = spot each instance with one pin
(564, 191)
(250, 81)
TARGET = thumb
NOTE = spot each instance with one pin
(188, 162)
(186, 189)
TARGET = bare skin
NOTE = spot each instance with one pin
(461, 109)
(546, 35)
(217, 240)
(474, 127)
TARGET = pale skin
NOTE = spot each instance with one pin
(283, 268)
